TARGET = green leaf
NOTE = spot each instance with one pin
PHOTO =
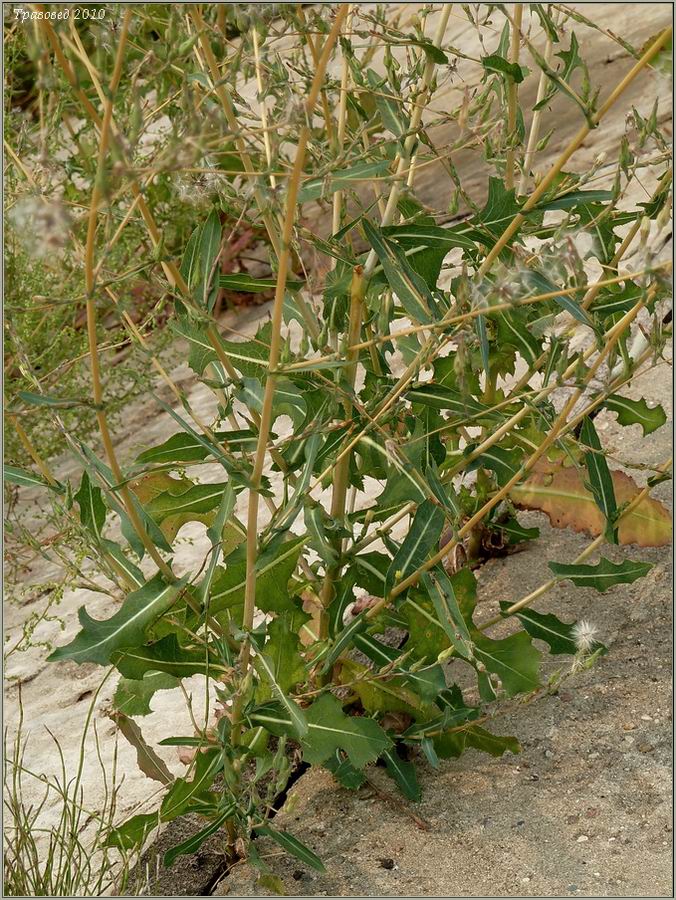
(219, 540)
(600, 479)
(427, 637)
(201, 352)
(133, 832)
(496, 63)
(423, 535)
(283, 652)
(344, 772)
(441, 397)
(98, 639)
(384, 695)
(501, 207)
(147, 760)
(185, 447)
(51, 402)
(92, 507)
(27, 479)
(403, 773)
(603, 575)
(430, 237)
(428, 683)
(440, 589)
(272, 578)
(172, 510)
(209, 247)
(133, 697)
(190, 262)
(329, 729)
(295, 713)
(513, 659)
(432, 52)
(487, 742)
(513, 332)
(249, 285)
(231, 465)
(135, 575)
(183, 791)
(544, 285)
(341, 179)
(409, 287)
(344, 639)
(389, 107)
(616, 299)
(561, 79)
(193, 843)
(315, 517)
(548, 628)
(572, 199)
(165, 655)
(545, 627)
(636, 412)
(596, 220)
(517, 533)
(292, 846)
(505, 463)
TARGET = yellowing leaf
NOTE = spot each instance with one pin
(561, 493)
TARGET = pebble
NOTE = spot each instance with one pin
(582, 839)
(387, 863)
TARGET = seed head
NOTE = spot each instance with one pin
(583, 635)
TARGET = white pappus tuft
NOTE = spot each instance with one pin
(584, 634)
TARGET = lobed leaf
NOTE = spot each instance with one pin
(636, 412)
(560, 492)
(99, 639)
(603, 575)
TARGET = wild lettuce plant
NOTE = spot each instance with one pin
(376, 439)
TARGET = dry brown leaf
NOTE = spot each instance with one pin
(560, 493)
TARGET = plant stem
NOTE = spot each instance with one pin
(337, 210)
(551, 437)
(487, 311)
(574, 144)
(342, 471)
(97, 389)
(534, 133)
(412, 139)
(50, 479)
(273, 360)
(512, 96)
